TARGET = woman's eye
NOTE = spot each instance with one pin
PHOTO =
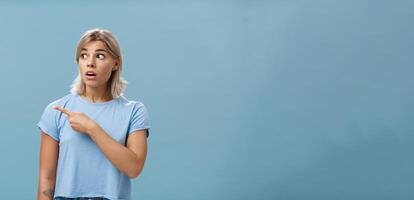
(83, 56)
(100, 56)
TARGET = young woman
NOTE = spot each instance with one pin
(94, 140)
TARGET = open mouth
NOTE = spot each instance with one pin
(90, 74)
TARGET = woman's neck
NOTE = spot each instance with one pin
(97, 95)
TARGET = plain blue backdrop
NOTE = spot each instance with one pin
(247, 99)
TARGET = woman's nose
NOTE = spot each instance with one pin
(91, 63)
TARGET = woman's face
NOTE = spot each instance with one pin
(96, 64)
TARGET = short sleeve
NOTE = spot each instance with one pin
(49, 122)
(139, 119)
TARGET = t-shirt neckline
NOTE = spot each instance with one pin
(95, 104)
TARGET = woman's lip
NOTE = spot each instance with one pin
(91, 77)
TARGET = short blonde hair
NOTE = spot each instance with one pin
(116, 84)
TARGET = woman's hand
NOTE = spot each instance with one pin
(78, 121)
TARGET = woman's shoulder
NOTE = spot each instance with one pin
(62, 101)
(130, 102)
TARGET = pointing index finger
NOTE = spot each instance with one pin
(64, 110)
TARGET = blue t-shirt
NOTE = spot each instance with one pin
(83, 170)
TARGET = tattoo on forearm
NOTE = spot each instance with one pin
(49, 192)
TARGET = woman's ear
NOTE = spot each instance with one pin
(116, 66)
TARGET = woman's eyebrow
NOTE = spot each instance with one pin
(100, 50)
(83, 49)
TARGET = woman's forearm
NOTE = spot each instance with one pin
(46, 189)
(121, 157)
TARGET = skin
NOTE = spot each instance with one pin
(129, 159)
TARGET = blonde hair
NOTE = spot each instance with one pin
(116, 84)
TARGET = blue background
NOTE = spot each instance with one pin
(247, 99)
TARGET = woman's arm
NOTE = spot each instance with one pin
(49, 153)
(130, 159)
